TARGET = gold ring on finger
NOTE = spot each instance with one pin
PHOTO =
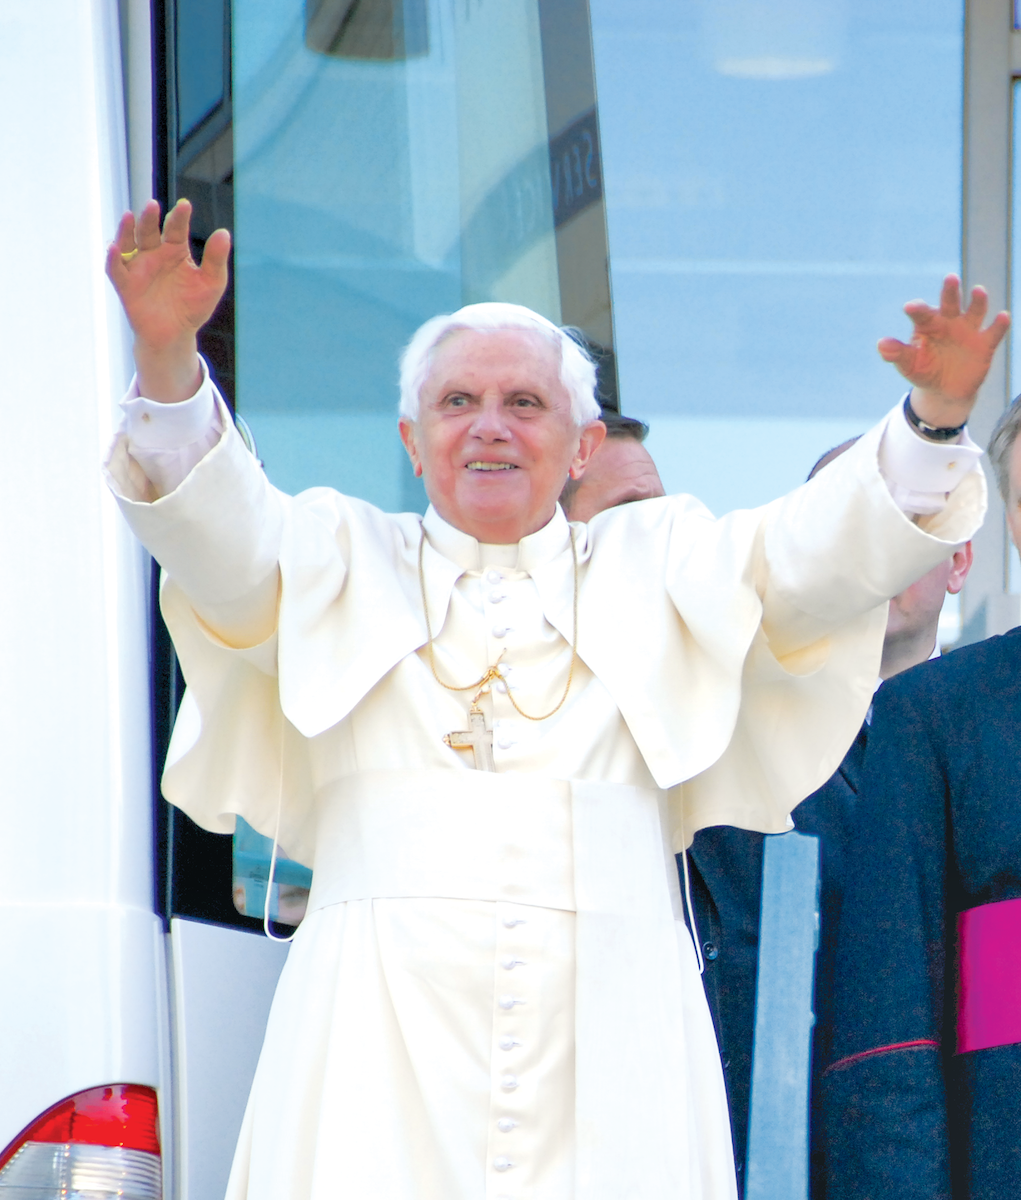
(129, 256)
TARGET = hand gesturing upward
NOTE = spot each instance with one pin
(167, 297)
(948, 355)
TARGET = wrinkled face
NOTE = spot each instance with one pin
(620, 471)
(494, 440)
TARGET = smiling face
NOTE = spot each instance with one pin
(494, 440)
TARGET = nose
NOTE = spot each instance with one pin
(490, 423)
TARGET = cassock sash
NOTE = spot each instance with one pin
(601, 851)
(989, 976)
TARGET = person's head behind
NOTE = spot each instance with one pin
(913, 619)
(497, 409)
(1005, 458)
(620, 471)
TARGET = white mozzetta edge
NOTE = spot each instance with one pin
(75, 806)
(224, 980)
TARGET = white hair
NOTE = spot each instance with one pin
(577, 371)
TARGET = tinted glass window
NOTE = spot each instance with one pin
(773, 201)
(202, 62)
(395, 161)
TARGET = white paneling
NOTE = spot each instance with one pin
(79, 1006)
(224, 981)
(80, 998)
(986, 255)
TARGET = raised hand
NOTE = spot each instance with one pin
(948, 355)
(167, 297)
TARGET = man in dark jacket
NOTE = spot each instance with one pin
(726, 872)
(726, 863)
(923, 1086)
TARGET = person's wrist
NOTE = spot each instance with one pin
(937, 410)
(947, 426)
(168, 373)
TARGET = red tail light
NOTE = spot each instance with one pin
(121, 1125)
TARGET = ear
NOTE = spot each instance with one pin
(960, 565)
(407, 432)
(592, 437)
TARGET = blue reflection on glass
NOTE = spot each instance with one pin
(772, 201)
(200, 77)
(338, 255)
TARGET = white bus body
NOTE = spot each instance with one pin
(96, 990)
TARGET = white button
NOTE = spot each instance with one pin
(508, 1043)
(509, 963)
(508, 1001)
(508, 1082)
(502, 1164)
(501, 686)
(505, 742)
(510, 922)
(499, 631)
(496, 597)
(493, 576)
(505, 1124)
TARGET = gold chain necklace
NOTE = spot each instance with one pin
(492, 674)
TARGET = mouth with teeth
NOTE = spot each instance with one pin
(490, 466)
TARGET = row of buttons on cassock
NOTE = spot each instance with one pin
(499, 631)
(507, 1002)
(501, 729)
(508, 1082)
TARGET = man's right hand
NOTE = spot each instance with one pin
(167, 297)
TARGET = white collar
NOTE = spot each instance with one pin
(469, 554)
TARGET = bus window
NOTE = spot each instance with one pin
(291, 881)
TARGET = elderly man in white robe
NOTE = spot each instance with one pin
(488, 730)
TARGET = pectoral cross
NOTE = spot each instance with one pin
(477, 738)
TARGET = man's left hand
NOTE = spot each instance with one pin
(948, 355)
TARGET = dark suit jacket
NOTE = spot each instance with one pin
(726, 887)
(940, 832)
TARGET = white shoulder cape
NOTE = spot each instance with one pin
(742, 652)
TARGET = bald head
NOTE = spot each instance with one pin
(620, 471)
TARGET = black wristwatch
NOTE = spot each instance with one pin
(934, 433)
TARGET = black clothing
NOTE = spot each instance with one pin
(940, 822)
(726, 889)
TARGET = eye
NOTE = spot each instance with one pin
(455, 400)
(525, 402)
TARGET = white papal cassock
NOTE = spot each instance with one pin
(493, 993)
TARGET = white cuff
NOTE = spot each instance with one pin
(168, 440)
(150, 425)
(921, 474)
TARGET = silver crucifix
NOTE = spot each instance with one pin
(477, 738)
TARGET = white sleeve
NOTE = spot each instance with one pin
(167, 440)
(921, 474)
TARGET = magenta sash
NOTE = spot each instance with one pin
(989, 976)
